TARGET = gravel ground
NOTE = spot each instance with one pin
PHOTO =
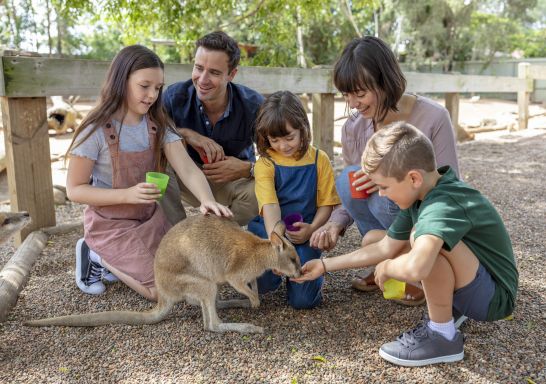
(336, 343)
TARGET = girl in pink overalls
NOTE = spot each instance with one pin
(126, 135)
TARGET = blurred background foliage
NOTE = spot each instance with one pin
(303, 33)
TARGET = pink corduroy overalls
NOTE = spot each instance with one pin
(126, 236)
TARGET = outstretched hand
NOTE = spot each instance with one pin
(311, 270)
(216, 208)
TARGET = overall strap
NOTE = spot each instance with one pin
(112, 138)
(152, 136)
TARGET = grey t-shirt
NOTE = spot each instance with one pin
(428, 116)
(133, 138)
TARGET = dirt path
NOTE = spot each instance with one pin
(335, 343)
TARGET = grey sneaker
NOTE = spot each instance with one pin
(88, 273)
(422, 346)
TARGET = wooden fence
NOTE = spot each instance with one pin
(25, 82)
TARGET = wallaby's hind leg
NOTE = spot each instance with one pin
(239, 327)
(242, 287)
(252, 294)
(233, 303)
(210, 317)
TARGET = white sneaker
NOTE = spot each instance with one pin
(88, 273)
(109, 276)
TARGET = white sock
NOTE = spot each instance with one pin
(447, 330)
(95, 257)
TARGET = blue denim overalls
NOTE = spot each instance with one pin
(296, 188)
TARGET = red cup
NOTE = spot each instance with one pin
(204, 158)
(354, 193)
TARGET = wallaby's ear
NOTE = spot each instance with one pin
(279, 228)
(277, 241)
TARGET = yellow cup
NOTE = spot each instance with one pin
(394, 289)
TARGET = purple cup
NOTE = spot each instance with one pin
(292, 218)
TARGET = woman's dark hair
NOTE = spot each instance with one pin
(221, 41)
(277, 110)
(368, 64)
(113, 97)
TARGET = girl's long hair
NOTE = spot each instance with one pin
(113, 97)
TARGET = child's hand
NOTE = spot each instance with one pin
(302, 235)
(216, 208)
(381, 274)
(142, 193)
(364, 183)
(311, 270)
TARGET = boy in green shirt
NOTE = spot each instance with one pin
(447, 235)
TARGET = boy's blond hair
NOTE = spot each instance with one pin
(397, 149)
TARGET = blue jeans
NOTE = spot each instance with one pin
(375, 212)
(300, 296)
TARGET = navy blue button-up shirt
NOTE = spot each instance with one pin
(234, 132)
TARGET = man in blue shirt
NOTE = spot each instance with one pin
(216, 119)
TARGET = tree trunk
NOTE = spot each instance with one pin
(59, 33)
(49, 41)
(299, 39)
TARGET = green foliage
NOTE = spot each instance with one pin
(532, 43)
(420, 32)
(490, 32)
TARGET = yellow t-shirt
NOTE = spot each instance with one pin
(264, 175)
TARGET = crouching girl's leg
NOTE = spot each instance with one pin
(307, 295)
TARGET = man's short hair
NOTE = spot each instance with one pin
(220, 41)
(397, 149)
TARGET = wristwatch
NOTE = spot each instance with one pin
(251, 170)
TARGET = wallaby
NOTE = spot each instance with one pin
(194, 257)
(11, 222)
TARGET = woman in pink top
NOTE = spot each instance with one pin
(373, 85)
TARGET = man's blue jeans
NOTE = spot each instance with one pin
(375, 212)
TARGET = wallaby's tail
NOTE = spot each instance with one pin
(155, 315)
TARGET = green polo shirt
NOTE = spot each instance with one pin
(454, 211)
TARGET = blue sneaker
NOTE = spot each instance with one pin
(88, 273)
(422, 346)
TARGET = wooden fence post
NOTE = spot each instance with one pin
(323, 122)
(524, 97)
(452, 105)
(28, 160)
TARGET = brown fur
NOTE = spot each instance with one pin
(194, 257)
(11, 222)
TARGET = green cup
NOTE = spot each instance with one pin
(394, 289)
(159, 179)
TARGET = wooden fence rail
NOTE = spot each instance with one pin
(25, 82)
